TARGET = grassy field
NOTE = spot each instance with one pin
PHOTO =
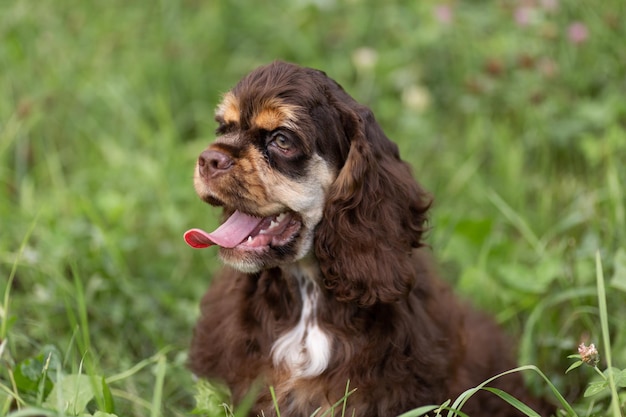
(513, 114)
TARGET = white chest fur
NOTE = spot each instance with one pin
(305, 349)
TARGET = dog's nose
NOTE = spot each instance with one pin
(212, 163)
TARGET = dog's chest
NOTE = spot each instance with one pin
(304, 351)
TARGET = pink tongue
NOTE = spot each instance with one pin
(228, 235)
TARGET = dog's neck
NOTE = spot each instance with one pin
(305, 269)
(304, 351)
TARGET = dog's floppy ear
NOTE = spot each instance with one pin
(374, 216)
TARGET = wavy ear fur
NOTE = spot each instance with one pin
(374, 216)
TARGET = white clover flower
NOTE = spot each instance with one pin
(364, 58)
(416, 97)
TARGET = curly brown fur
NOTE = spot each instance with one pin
(338, 287)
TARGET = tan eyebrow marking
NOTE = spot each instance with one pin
(229, 109)
(274, 114)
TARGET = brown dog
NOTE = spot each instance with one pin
(328, 280)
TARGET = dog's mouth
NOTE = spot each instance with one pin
(244, 231)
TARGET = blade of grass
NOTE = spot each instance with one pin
(248, 401)
(157, 397)
(462, 399)
(81, 306)
(417, 412)
(513, 401)
(343, 400)
(516, 220)
(604, 323)
(616, 194)
(275, 400)
(11, 395)
(34, 412)
(4, 312)
(137, 367)
(108, 397)
(81, 323)
(136, 400)
(42, 382)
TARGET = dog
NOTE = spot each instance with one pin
(328, 281)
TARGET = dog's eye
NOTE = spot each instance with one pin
(282, 142)
(222, 128)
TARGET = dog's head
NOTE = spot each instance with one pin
(301, 169)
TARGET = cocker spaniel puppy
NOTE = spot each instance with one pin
(327, 280)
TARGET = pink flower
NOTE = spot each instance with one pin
(522, 15)
(589, 354)
(444, 14)
(577, 33)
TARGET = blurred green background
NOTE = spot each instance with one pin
(512, 113)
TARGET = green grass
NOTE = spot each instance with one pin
(518, 132)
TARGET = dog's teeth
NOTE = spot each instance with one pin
(249, 239)
(273, 224)
(280, 217)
